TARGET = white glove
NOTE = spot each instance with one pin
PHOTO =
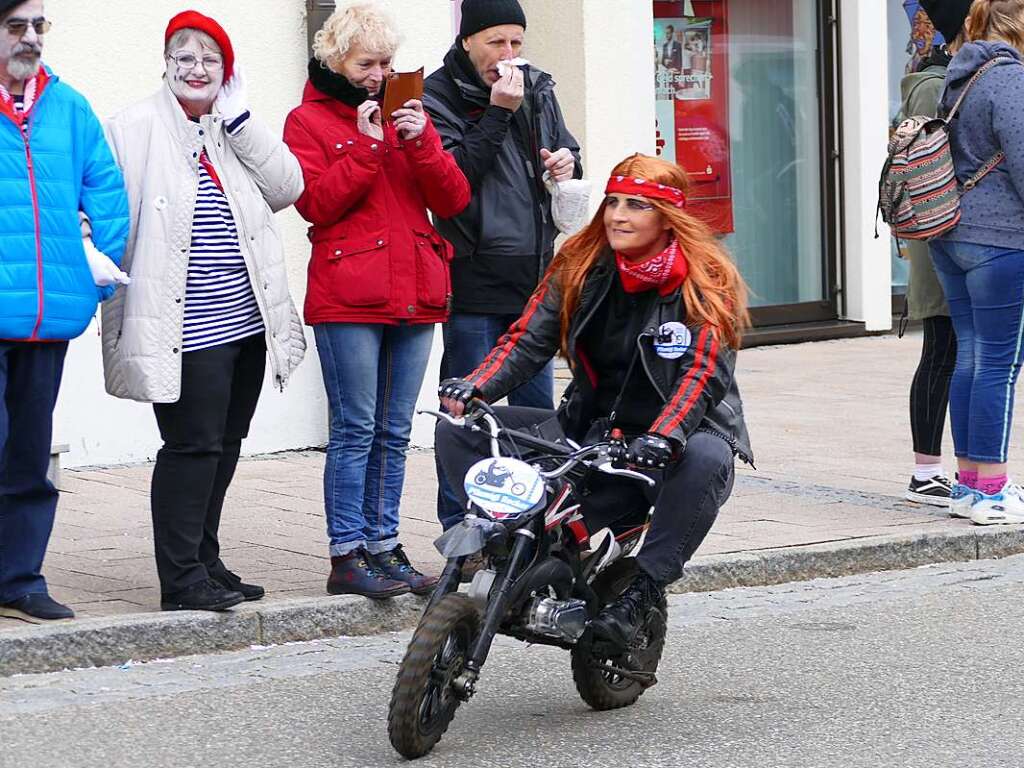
(232, 101)
(570, 203)
(104, 271)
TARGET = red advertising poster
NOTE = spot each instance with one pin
(692, 83)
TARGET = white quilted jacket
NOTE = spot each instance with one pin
(158, 148)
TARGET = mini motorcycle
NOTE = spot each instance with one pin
(547, 576)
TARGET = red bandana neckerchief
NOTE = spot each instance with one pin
(665, 271)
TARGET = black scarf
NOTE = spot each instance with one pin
(336, 86)
(939, 57)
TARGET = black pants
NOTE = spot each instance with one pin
(687, 501)
(202, 435)
(929, 392)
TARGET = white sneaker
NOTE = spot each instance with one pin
(961, 498)
(1003, 508)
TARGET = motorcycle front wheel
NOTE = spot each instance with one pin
(423, 702)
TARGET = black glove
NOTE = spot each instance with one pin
(457, 389)
(650, 451)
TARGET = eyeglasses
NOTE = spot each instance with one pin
(636, 206)
(18, 27)
(188, 61)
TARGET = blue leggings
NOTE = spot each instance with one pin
(985, 289)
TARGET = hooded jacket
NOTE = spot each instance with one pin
(695, 385)
(505, 239)
(990, 120)
(54, 163)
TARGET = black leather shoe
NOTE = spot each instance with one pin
(36, 608)
(206, 595)
(618, 624)
(233, 582)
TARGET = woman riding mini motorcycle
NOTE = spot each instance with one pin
(648, 309)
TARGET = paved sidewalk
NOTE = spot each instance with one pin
(830, 429)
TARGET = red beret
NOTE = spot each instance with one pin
(196, 20)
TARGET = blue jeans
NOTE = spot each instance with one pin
(468, 339)
(30, 376)
(373, 375)
(985, 289)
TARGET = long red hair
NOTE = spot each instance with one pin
(713, 291)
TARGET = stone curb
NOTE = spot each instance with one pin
(142, 637)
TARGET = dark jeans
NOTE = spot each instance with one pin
(985, 289)
(468, 339)
(202, 435)
(929, 392)
(30, 376)
(687, 500)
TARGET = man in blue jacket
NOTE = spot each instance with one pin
(54, 165)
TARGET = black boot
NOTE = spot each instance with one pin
(619, 622)
(233, 581)
(395, 565)
(207, 595)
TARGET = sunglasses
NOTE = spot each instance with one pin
(18, 27)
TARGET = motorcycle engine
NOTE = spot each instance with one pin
(562, 619)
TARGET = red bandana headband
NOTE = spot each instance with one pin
(624, 185)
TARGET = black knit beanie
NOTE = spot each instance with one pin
(6, 6)
(947, 16)
(483, 14)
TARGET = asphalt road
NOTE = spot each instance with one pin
(920, 668)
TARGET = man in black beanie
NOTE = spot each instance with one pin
(501, 121)
(947, 16)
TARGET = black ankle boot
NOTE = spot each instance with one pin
(620, 621)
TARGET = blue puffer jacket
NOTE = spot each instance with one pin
(54, 162)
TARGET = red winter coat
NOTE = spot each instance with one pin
(376, 256)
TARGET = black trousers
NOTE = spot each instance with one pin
(202, 435)
(687, 499)
(929, 392)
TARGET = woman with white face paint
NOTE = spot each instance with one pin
(208, 301)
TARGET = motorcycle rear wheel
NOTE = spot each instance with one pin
(423, 703)
(603, 690)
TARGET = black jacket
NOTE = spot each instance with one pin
(505, 239)
(697, 390)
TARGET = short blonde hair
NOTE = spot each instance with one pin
(183, 36)
(361, 22)
(994, 20)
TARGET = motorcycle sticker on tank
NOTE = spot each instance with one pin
(504, 488)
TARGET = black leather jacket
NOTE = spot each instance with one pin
(696, 385)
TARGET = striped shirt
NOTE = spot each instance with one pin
(220, 306)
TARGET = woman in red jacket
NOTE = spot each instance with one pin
(378, 283)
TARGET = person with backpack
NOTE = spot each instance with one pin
(980, 261)
(929, 390)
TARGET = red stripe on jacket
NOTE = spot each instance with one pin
(493, 362)
(666, 423)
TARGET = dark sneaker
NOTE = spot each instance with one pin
(356, 574)
(620, 621)
(395, 565)
(232, 581)
(37, 608)
(208, 595)
(935, 491)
